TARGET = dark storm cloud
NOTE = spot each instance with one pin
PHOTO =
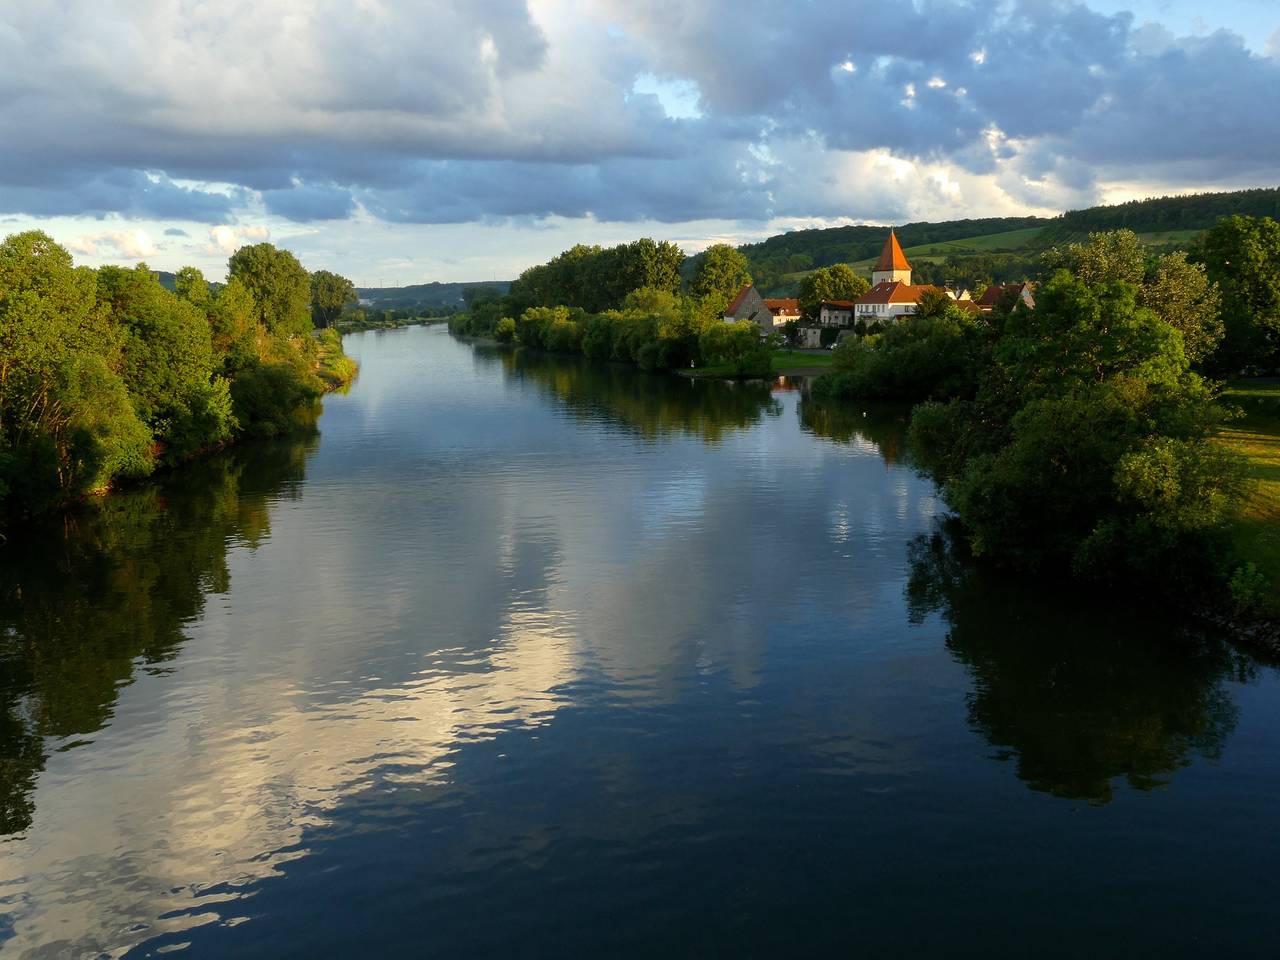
(442, 112)
(129, 192)
(307, 202)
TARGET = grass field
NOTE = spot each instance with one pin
(1257, 437)
(783, 360)
(1027, 241)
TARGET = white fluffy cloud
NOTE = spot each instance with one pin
(227, 239)
(345, 115)
(115, 245)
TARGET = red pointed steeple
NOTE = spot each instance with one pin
(891, 257)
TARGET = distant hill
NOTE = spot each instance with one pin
(1000, 249)
(422, 295)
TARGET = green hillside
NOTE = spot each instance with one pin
(965, 252)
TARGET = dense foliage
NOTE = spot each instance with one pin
(595, 278)
(653, 326)
(654, 330)
(721, 272)
(837, 282)
(107, 374)
(1196, 212)
(1089, 442)
(1243, 255)
(934, 355)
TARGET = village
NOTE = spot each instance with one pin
(891, 298)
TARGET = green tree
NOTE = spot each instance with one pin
(934, 303)
(168, 361)
(1090, 443)
(1114, 256)
(189, 283)
(233, 322)
(722, 273)
(836, 282)
(1181, 294)
(280, 287)
(738, 346)
(1242, 254)
(330, 292)
(67, 424)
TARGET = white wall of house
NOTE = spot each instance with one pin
(834, 317)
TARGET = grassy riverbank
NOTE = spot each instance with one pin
(786, 363)
(1256, 533)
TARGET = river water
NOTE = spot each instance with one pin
(524, 656)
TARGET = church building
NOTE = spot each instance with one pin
(892, 295)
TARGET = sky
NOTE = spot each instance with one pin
(404, 141)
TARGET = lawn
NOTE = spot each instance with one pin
(783, 360)
(1257, 437)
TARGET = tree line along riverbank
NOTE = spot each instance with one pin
(1088, 437)
(106, 375)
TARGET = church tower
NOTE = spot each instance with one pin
(892, 264)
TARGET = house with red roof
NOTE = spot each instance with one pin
(892, 294)
(1010, 294)
(768, 315)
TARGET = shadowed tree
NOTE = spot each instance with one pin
(722, 273)
(330, 292)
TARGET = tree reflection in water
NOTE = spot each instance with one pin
(653, 405)
(880, 424)
(1077, 693)
(89, 596)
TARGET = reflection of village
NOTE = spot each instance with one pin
(891, 298)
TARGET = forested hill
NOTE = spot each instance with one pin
(1002, 249)
(1197, 212)
(848, 244)
(419, 296)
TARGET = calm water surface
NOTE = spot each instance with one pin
(531, 657)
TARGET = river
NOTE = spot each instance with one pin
(526, 656)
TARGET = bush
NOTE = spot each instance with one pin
(919, 358)
(1089, 444)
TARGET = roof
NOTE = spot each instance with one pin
(995, 293)
(783, 305)
(892, 257)
(737, 301)
(968, 306)
(895, 291)
(838, 304)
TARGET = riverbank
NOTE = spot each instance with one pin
(1256, 533)
(786, 363)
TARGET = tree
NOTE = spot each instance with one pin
(189, 283)
(933, 303)
(1181, 294)
(280, 287)
(836, 282)
(329, 294)
(168, 361)
(722, 273)
(1089, 444)
(67, 425)
(1115, 256)
(1242, 254)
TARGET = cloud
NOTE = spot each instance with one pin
(176, 232)
(438, 112)
(227, 239)
(303, 202)
(115, 245)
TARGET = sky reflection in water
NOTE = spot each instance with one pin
(531, 651)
